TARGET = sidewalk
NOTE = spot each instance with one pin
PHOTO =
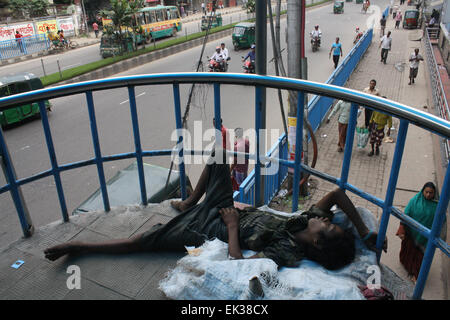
(372, 173)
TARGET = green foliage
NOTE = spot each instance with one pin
(34, 8)
(250, 6)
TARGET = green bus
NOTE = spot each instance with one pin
(18, 83)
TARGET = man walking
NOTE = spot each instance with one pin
(371, 90)
(95, 27)
(19, 40)
(203, 8)
(382, 25)
(342, 108)
(385, 44)
(398, 19)
(336, 48)
(414, 60)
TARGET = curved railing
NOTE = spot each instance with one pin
(407, 116)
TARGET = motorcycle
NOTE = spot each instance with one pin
(215, 66)
(249, 66)
(315, 43)
(357, 37)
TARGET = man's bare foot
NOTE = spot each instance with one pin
(180, 205)
(56, 252)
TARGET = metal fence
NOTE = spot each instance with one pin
(23, 46)
(407, 116)
(439, 97)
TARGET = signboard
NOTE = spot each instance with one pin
(41, 26)
(66, 24)
(292, 129)
(8, 32)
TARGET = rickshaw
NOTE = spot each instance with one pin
(216, 21)
(243, 35)
(18, 83)
(338, 6)
(412, 19)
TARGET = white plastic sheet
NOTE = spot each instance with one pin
(211, 275)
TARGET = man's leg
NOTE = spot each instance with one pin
(113, 246)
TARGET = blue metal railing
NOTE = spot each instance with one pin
(23, 46)
(406, 114)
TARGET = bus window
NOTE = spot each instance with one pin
(141, 18)
(169, 15)
(151, 17)
(174, 12)
(164, 13)
(159, 16)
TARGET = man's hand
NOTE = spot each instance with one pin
(230, 216)
(371, 243)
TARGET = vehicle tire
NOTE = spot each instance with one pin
(148, 39)
(174, 31)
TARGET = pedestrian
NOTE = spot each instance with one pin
(204, 8)
(239, 167)
(342, 108)
(284, 240)
(371, 90)
(421, 208)
(95, 27)
(225, 135)
(398, 18)
(182, 11)
(385, 44)
(414, 60)
(382, 24)
(19, 37)
(336, 48)
(378, 121)
(402, 2)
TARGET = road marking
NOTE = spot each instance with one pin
(140, 94)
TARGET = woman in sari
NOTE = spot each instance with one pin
(421, 208)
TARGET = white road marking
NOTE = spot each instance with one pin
(140, 94)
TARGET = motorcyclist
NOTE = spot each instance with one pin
(252, 55)
(225, 54)
(316, 33)
(219, 58)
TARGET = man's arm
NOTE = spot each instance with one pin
(230, 217)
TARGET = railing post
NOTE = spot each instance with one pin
(179, 124)
(16, 193)
(298, 150)
(435, 232)
(258, 120)
(53, 161)
(98, 154)
(137, 144)
(348, 146)
(390, 192)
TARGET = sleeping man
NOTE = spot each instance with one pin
(285, 240)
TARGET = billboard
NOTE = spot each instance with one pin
(7, 32)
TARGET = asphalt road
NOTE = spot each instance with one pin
(71, 132)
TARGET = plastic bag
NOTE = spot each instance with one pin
(362, 137)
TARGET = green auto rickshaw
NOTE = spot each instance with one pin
(19, 83)
(412, 19)
(111, 45)
(212, 20)
(243, 35)
(338, 6)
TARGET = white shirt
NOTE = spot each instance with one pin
(217, 57)
(386, 42)
(224, 52)
(316, 33)
(414, 63)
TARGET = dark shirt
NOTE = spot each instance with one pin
(272, 236)
(251, 54)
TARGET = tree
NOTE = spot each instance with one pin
(250, 6)
(33, 8)
(122, 14)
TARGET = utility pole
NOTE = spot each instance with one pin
(297, 66)
(261, 69)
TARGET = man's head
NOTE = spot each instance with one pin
(316, 27)
(222, 45)
(218, 49)
(337, 39)
(330, 245)
(416, 51)
(253, 47)
(372, 84)
(389, 34)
